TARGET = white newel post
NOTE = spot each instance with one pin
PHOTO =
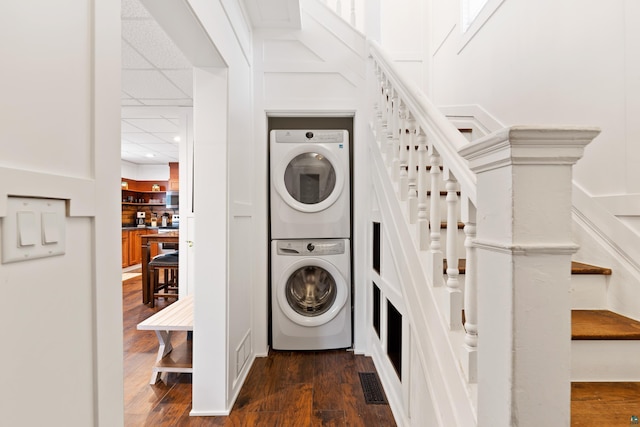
(524, 247)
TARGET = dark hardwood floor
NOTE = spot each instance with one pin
(287, 388)
(302, 388)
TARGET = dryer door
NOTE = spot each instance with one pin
(311, 292)
(309, 178)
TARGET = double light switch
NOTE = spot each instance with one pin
(33, 228)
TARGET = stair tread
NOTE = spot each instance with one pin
(462, 266)
(603, 325)
(582, 268)
(604, 403)
(443, 224)
(576, 267)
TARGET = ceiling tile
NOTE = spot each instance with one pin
(128, 127)
(186, 102)
(133, 9)
(154, 125)
(150, 85)
(148, 38)
(181, 78)
(166, 136)
(141, 138)
(132, 59)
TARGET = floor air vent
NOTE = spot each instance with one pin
(371, 388)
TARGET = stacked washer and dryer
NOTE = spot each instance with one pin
(310, 231)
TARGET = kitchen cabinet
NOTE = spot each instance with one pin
(125, 248)
(143, 193)
(132, 245)
(135, 246)
(174, 177)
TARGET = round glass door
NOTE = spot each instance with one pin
(310, 178)
(311, 291)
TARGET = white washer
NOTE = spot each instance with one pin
(310, 294)
(310, 195)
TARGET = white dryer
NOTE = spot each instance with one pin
(310, 294)
(310, 195)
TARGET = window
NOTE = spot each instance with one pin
(475, 13)
(470, 11)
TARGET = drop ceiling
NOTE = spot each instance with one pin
(156, 78)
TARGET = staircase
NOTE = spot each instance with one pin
(516, 289)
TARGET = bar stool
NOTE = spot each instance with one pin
(168, 263)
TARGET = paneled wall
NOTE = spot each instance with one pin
(63, 314)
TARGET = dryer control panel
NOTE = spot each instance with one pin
(311, 247)
(320, 136)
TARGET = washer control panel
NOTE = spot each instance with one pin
(311, 247)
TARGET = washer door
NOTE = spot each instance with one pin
(309, 178)
(311, 292)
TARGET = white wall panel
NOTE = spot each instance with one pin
(546, 63)
(49, 85)
(61, 112)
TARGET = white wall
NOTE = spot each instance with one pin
(224, 212)
(546, 62)
(144, 172)
(62, 316)
(402, 36)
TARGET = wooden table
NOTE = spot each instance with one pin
(176, 317)
(148, 240)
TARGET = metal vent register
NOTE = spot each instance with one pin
(373, 393)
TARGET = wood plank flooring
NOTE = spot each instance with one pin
(285, 389)
(302, 388)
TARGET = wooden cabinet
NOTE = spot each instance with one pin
(125, 248)
(151, 193)
(174, 177)
(132, 246)
(135, 246)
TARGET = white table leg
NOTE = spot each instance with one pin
(164, 339)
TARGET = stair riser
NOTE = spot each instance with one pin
(588, 291)
(606, 360)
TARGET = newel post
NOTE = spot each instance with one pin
(523, 252)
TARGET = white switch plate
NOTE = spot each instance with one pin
(33, 228)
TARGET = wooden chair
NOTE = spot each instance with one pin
(168, 264)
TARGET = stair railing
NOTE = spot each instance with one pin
(512, 192)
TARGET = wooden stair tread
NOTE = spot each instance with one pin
(462, 266)
(443, 224)
(576, 267)
(603, 325)
(582, 268)
(597, 404)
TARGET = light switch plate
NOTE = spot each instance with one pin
(33, 228)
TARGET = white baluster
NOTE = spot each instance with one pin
(435, 258)
(379, 108)
(412, 164)
(454, 311)
(403, 181)
(388, 114)
(423, 220)
(339, 7)
(393, 131)
(470, 348)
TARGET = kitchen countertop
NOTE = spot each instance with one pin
(148, 227)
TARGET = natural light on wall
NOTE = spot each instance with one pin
(470, 11)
